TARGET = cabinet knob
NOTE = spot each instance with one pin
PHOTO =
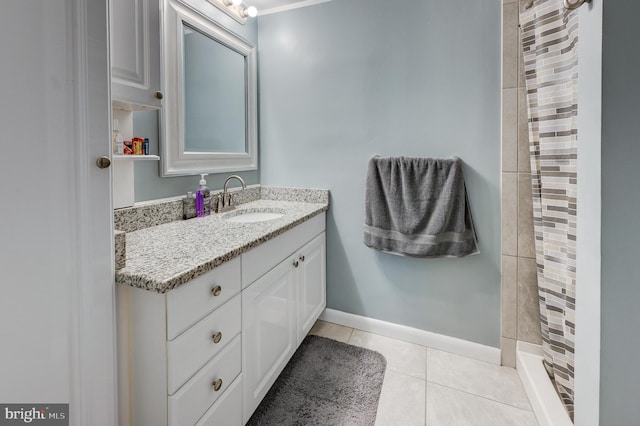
(216, 290)
(302, 258)
(217, 337)
(159, 95)
(295, 264)
(217, 385)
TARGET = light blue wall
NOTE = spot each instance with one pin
(344, 80)
(148, 183)
(620, 344)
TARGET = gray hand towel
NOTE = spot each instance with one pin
(418, 207)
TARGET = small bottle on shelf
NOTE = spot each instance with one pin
(118, 140)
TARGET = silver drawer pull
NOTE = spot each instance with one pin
(302, 258)
(217, 337)
(217, 385)
(216, 290)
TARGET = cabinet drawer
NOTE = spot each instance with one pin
(193, 348)
(195, 299)
(227, 410)
(188, 404)
(259, 260)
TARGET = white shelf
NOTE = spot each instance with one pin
(135, 157)
(123, 177)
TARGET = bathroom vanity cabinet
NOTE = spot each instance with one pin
(280, 307)
(208, 351)
(135, 54)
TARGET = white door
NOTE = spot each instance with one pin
(56, 308)
(268, 332)
(311, 285)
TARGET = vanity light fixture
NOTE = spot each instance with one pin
(249, 11)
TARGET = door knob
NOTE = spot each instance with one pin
(103, 162)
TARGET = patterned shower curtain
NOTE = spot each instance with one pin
(550, 47)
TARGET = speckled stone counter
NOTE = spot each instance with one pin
(121, 249)
(166, 256)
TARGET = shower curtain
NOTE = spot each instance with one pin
(550, 48)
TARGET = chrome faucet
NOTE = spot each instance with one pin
(225, 201)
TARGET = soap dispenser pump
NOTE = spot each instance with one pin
(205, 193)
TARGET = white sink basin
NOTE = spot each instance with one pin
(253, 217)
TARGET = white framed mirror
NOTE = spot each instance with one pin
(209, 119)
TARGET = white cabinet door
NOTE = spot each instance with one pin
(268, 331)
(311, 284)
(135, 53)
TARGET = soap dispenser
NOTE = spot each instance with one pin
(205, 205)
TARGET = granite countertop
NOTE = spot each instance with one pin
(166, 256)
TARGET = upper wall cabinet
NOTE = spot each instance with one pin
(135, 54)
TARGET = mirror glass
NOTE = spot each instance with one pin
(214, 95)
(209, 114)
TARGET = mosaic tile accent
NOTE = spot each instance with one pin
(121, 249)
(550, 45)
(164, 257)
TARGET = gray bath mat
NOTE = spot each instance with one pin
(327, 383)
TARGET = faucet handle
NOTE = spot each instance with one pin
(218, 203)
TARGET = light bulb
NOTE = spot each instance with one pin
(251, 11)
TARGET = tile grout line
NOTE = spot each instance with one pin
(427, 381)
(426, 377)
(517, 298)
(484, 397)
(425, 402)
(400, 372)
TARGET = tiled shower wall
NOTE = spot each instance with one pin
(520, 309)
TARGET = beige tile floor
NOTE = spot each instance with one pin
(425, 386)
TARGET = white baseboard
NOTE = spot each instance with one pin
(544, 399)
(414, 335)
